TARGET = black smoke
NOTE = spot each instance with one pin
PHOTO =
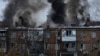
(11, 10)
(59, 11)
(72, 10)
(16, 11)
(58, 16)
(60, 7)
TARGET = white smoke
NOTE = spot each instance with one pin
(85, 5)
(40, 16)
(33, 12)
(77, 11)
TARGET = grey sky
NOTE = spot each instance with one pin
(94, 9)
(2, 7)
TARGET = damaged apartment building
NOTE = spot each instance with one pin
(67, 30)
(3, 43)
(79, 41)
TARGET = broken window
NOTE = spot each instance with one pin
(93, 34)
(56, 46)
(36, 33)
(83, 46)
(58, 35)
(41, 32)
(0, 45)
(2, 38)
(69, 45)
(12, 45)
(13, 35)
(30, 35)
(69, 33)
(23, 35)
(65, 46)
(82, 34)
(23, 46)
(73, 32)
(95, 45)
(47, 46)
(64, 33)
(47, 34)
(66, 54)
(2, 34)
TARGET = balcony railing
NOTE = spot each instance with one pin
(2, 49)
(71, 49)
(68, 49)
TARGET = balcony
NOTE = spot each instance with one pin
(69, 38)
(71, 49)
(2, 49)
(68, 35)
(3, 38)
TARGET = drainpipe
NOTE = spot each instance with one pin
(56, 45)
(44, 41)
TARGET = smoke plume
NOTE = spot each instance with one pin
(69, 12)
(33, 13)
(59, 12)
(28, 13)
(83, 12)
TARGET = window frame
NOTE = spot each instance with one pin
(93, 34)
(83, 46)
(82, 34)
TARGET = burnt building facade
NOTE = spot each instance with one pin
(88, 41)
(52, 42)
(79, 41)
(25, 42)
(68, 40)
(3, 42)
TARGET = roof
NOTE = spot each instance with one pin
(95, 23)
